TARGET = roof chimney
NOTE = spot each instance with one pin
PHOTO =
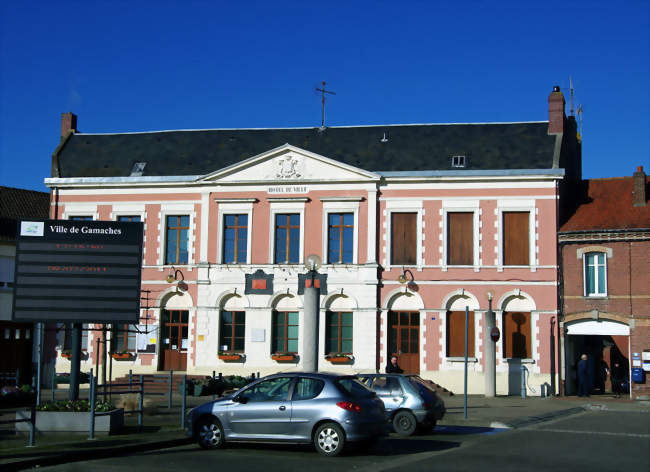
(556, 111)
(68, 123)
(638, 194)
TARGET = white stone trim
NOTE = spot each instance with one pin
(286, 207)
(234, 208)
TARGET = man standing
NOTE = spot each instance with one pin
(583, 377)
(392, 367)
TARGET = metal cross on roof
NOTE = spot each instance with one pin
(323, 92)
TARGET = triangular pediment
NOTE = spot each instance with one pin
(288, 164)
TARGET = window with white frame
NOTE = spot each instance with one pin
(404, 232)
(595, 274)
(460, 233)
(235, 230)
(516, 222)
(340, 229)
(287, 230)
(177, 228)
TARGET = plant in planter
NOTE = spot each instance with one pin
(56, 416)
(66, 354)
(122, 355)
(230, 356)
(284, 356)
(11, 396)
(339, 358)
(64, 378)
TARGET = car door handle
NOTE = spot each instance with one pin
(282, 408)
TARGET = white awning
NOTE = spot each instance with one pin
(593, 327)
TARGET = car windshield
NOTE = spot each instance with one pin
(353, 387)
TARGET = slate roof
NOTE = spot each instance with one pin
(608, 206)
(17, 204)
(408, 148)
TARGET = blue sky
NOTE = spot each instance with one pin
(140, 66)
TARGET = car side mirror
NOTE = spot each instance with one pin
(241, 399)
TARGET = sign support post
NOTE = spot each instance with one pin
(75, 362)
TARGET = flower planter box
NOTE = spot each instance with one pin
(284, 357)
(118, 356)
(72, 421)
(231, 357)
(340, 359)
(66, 355)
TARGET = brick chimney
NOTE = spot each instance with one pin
(638, 194)
(68, 123)
(556, 111)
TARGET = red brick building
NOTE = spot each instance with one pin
(605, 282)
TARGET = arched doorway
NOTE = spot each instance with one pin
(606, 343)
(174, 322)
(403, 329)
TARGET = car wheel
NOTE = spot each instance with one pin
(404, 423)
(210, 433)
(329, 439)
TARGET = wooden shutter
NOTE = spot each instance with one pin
(516, 335)
(456, 334)
(516, 237)
(460, 238)
(404, 240)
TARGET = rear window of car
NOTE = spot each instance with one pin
(422, 385)
(353, 387)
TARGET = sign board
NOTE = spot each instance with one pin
(78, 271)
(495, 334)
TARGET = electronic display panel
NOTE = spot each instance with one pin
(78, 271)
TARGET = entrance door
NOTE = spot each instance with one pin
(404, 339)
(174, 339)
(16, 349)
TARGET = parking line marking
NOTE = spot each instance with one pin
(577, 431)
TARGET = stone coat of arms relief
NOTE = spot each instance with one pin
(288, 167)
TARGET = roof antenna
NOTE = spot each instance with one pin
(323, 92)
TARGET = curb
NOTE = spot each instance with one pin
(531, 420)
(99, 453)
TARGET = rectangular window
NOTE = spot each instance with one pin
(340, 238)
(232, 332)
(516, 335)
(516, 238)
(285, 331)
(67, 337)
(127, 218)
(456, 334)
(460, 238)
(123, 338)
(287, 238)
(177, 243)
(235, 239)
(595, 270)
(404, 238)
(338, 337)
(80, 218)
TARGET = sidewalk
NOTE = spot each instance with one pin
(162, 427)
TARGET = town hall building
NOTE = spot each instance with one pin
(413, 225)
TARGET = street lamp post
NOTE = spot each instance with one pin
(312, 309)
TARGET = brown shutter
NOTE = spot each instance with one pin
(404, 240)
(460, 238)
(516, 238)
(456, 334)
(516, 335)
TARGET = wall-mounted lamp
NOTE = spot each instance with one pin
(173, 275)
(406, 276)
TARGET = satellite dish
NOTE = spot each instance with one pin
(313, 262)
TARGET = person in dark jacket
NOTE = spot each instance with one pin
(392, 367)
(583, 376)
(617, 378)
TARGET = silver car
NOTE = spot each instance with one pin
(328, 410)
(410, 401)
